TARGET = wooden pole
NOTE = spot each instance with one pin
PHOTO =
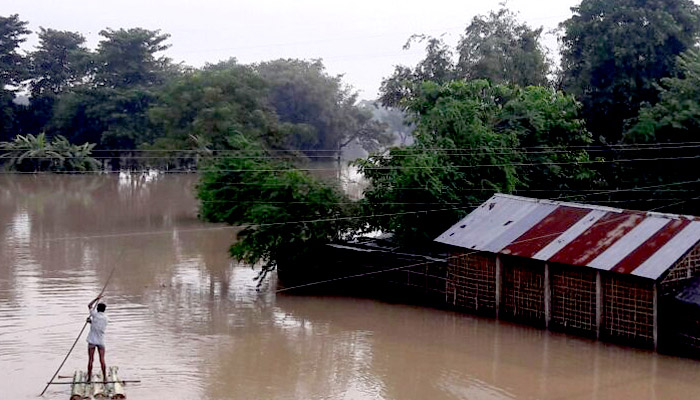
(499, 267)
(656, 317)
(547, 297)
(86, 382)
(598, 304)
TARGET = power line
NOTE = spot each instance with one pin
(310, 221)
(477, 148)
(222, 154)
(519, 164)
(468, 253)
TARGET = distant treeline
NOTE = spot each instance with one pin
(125, 96)
(615, 123)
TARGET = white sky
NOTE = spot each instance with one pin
(360, 39)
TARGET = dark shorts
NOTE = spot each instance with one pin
(92, 346)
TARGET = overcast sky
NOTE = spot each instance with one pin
(360, 39)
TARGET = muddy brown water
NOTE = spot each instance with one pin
(190, 324)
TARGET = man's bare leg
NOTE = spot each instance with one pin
(91, 353)
(101, 350)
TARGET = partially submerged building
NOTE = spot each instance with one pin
(590, 270)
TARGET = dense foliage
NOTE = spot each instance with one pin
(36, 153)
(495, 47)
(615, 52)
(470, 140)
(469, 120)
(13, 70)
(283, 212)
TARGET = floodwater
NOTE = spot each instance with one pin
(189, 323)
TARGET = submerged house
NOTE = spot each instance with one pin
(596, 271)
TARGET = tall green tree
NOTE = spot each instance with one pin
(614, 53)
(501, 49)
(404, 83)
(207, 107)
(469, 144)
(496, 47)
(13, 70)
(302, 93)
(111, 109)
(60, 62)
(128, 57)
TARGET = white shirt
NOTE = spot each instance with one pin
(97, 327)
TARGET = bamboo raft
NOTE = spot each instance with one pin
(95, 388)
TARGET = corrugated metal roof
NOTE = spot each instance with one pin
(640, 243)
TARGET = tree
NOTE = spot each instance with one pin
(495, 47)
(112, 118)
(60, 62)
(397, 125)
(469, 144)
(111, 109)
(673, 124)
(285, 213)
(13, 70)
(207, 107)
(127, 58)
(499, 48)
(303, 94)
(437, 66)
(615, 52)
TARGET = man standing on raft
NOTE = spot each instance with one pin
(96, 338)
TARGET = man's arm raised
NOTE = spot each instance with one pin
(93, 302)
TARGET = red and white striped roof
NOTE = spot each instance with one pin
(640, 243)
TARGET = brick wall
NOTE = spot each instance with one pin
(471, 282)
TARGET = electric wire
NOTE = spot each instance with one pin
(468, 253)
(476, 148)
(391, 168)
(227, 154)
(333, 279)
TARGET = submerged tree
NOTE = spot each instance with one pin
(284, 213)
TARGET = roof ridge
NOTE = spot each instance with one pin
(595, 207)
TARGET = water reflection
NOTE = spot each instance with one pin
(190, 323)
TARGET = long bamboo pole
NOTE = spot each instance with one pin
(77, 338)
(86, 382)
